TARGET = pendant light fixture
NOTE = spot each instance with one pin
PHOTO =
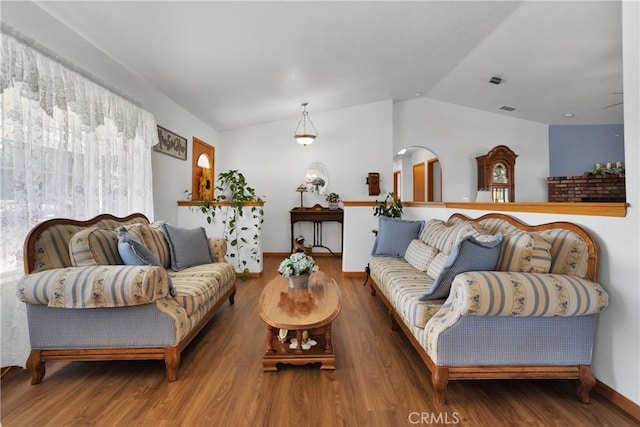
(303, 135)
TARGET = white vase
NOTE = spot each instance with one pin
(299, 282)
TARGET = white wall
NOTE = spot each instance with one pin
(351, 143)
(171, 176)
(457, 135)
(248, 255)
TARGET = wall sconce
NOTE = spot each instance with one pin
(205, 188)
(303, 136)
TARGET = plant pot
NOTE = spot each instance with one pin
(333, 205)
(299, 282)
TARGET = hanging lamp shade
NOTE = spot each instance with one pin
(305, 134)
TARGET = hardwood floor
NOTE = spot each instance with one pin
(379, 381)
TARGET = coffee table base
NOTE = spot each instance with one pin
(279, 352)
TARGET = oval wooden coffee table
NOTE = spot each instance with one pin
(297, 310)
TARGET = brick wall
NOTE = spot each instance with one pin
(587, 188)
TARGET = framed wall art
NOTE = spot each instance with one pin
(171, 144)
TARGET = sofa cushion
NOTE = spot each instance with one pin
(94, 286)
(419, 254)
(94, 246)
(394, 236)
(153, 237)
(470, 254)
(188, 247)
(444, 236)
(218, 248)
(525, 252)
(493, 225)
(196, 286)
(497, 293)
(569, 252)
(132, 251)
(51, 248)
(419, 312)
(437, 264)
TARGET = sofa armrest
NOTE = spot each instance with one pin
(218, 248)
(493, 293)
(95, 286)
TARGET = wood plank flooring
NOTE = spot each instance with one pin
(379, 381)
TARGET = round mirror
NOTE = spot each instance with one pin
(417, 175)
(317, 179)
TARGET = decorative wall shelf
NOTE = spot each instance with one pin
(595, 209)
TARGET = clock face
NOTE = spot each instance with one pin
(499, 174)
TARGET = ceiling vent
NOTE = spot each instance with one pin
(507, 108)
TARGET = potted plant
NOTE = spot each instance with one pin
(233, 189)
(391, 208)
(333, 199)
(297, 269)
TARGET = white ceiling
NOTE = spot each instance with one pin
(236, 64)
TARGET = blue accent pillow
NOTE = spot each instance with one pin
(133, 252)
(188, 247)
(394, 236)
(469, 255)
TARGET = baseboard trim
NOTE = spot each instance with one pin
(354, 274)
(250, 275)
(278, 254)
(617, 399)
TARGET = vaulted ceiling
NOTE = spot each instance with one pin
(236, 64)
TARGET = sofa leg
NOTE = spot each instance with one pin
(586, 382)
(367, 271)
(232, 298)
(35, 364)
(439, 379)
(394, 322)
(172, 361)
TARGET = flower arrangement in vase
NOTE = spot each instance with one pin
(333, 199)
(297, 269)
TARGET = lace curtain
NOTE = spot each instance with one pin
(70, 148)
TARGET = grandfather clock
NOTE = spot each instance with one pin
(496, 173)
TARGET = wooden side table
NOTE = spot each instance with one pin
(297, 310)
(318, 214)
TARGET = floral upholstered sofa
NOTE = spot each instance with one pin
(492, 297)
(84, 303)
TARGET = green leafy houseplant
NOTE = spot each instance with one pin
(391, 208)
(232, 187)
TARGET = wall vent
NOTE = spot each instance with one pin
(507, 108)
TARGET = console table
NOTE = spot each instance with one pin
(318, 214)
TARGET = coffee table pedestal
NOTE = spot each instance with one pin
(279, 352)
(298, 310)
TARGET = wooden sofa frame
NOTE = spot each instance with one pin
(440, 375)
(170, 355)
